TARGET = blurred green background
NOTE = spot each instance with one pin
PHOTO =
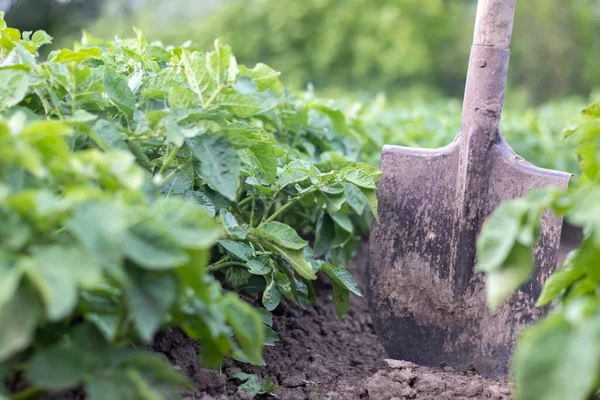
(399, 65)
(340, 46)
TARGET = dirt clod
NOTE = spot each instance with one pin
(403, 380)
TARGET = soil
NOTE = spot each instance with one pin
(321, 358)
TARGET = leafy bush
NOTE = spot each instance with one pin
(131, 173)
(559, 357)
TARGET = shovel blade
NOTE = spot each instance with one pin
(427, 303)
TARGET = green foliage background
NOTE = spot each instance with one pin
(389, 45)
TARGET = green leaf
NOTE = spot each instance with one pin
(271, 296)
(219, 163)
(499, 234)
(119, 93)
(260, 266)
(150, 295)
(561, 280)
(201, 200)
(296, 260)
(281, 234)
(196, 73)
(369, 169)
(252, 385)
(80, 117)
(41, 38)
(111, 384)
(238, 104)
(180, 182)
(109, 135)
(358, 178)
(232, 227)
(341, 277)
(343, 221)
(266, 158)
(245, 85)
(324, 235)
(100, 228)
(158, 373)
(221, 64)
(237, 249)
(14, 84)
(62, 270)
(181, 97)
(18, 318)
(271, 337)
(355, 199)
(151, 245)
(108, 325)
(341, 301)
(247, 326)
(592, 111)
(237, 277)
(556, 361)
(515, 271)
(189, 224)
(263, 75)
(334, 202)
(66, 55)
(10, 276)
(58, 367)
(293, 175)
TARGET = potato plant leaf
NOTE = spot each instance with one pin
(219, 163)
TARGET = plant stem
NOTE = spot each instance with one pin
(44, 102)
(214, 96)
(216, 267)
(290, 203)
(29, 393)
(171, 174)
(246, 200)
(168, 160)
(139, 155)
(252, 213)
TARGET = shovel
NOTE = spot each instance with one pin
(427, 303)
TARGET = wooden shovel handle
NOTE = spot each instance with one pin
(486, 78)
(493, 26)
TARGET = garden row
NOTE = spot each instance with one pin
(144, 186)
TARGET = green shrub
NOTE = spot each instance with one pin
(132, 174)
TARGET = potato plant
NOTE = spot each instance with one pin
(141, 186)
(559, 357)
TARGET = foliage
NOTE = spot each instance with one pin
(132, 173)
(392, 44)
(559, 357)
(535, 133)
(252, 385)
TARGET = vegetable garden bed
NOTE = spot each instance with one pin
(164, 198)
(320, 357)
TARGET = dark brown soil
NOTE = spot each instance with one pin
(321, 358)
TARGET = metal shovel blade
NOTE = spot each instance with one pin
(427, 304)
